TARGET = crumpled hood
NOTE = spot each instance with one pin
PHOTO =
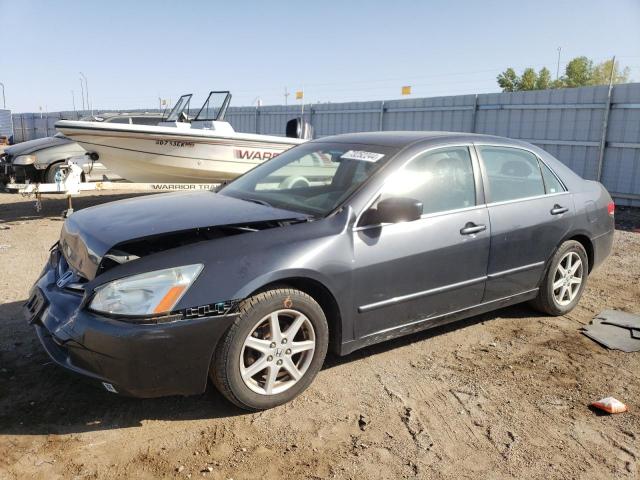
(31, 146)
(89, 234)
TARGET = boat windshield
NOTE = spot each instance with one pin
(181, 105)
(314, 178)
(215, 106)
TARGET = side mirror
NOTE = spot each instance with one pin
(394, 210)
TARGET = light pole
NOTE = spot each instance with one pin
(73, 100)
(558, 67)
(4, 103)
(82, 95)
(86, 89)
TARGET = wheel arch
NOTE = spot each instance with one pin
(580, 237)
(45, 171)
(586, 242)
(321, 294)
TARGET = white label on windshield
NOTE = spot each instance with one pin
(361, 155)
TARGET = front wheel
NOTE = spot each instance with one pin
(273, 350)
(564, 281)
(52, 170)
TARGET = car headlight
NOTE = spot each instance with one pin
(24, 160)
(149, 293)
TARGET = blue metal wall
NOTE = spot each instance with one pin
(6, 127)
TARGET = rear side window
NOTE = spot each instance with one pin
(441, 179)
(551, 183)
(512, 173)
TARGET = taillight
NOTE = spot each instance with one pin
(611, 208)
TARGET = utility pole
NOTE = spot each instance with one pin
(286, 96)
(4, 103)
(558, 67)
(605, 123)
(302, 105)
(82, 94)
(613, 69)
(86, 89)
(73, 101)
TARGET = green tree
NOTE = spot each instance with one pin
(508, 80)
(544, 79)
(528, 80)
(602, 72)
(578, 72)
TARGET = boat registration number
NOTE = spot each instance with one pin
(175, 143)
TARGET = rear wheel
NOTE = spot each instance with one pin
(273, 351)
(564, 281)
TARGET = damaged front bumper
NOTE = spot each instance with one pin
(140, 360)
(6, 168)
(18, 173)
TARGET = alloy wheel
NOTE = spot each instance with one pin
(277, 352)
(568, 278)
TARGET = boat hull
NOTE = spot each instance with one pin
(166, 155)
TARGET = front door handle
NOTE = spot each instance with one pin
(471, 228)
(558, 209)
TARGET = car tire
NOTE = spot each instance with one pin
(560, 291)
(50, 172)
(254, 367)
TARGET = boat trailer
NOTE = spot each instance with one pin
(69, 182)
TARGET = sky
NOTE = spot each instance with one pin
(137, 51)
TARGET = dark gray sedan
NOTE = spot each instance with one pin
(335, 244)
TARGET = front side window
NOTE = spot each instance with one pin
(313, 178)
(512, 173)
(441, 179)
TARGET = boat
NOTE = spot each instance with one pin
(205, 149)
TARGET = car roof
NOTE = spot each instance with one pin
(400, 139)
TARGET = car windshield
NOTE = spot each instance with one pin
(313, 178)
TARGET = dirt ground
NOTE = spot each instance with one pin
(503, 395)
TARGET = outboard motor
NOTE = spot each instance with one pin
(298, 128)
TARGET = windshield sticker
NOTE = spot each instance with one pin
(363, 156)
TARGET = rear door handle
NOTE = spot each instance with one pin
(558, 209)
(471, 228)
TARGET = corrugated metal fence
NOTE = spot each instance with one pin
(6, 127)
(594, 133)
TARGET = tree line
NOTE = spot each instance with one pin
(579, 72)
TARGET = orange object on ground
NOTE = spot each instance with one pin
(610, 405)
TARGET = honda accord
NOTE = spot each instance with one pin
(336, 244)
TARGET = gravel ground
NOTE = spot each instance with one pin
(502, 395)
